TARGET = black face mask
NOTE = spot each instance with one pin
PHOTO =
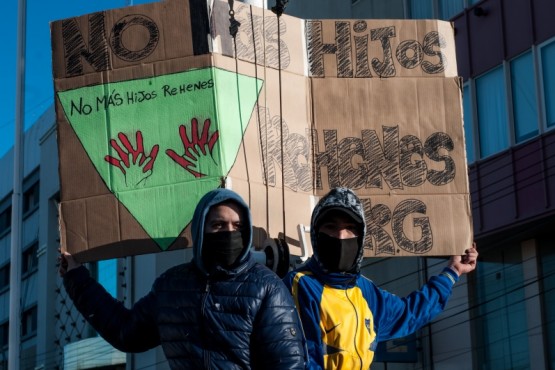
(337, 255)
(221, 248)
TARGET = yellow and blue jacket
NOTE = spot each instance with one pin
(345, 315)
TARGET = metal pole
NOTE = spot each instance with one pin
(15, 258)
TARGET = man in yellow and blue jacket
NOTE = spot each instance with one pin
(344, 315)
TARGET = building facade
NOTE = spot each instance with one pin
(506, 56)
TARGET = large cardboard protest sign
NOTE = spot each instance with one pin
(158, 104)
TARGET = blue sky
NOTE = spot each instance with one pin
(39, 90)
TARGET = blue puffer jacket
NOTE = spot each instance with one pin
(243, 318)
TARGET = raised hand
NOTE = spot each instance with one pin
(135, 165)
(465, 263)
(66, 263)
(196, 149)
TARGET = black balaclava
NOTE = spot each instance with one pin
(211, 199)
(337, 255)
(332, 254)
(221, 248)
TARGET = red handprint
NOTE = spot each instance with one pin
(135, 165)
(196, 148)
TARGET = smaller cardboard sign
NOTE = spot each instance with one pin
(405, 160)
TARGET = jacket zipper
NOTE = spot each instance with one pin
(356, 330)
(205, 354)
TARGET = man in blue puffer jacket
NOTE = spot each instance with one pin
(344, 314)
(220, 311)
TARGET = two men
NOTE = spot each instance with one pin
(224, 311)
(344, 315)
(220, 311)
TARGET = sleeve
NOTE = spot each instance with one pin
(397, 317)
(277, 332)
(309, 311)
(129, 330)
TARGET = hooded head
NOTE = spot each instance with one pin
(334, 253)
(199, 228)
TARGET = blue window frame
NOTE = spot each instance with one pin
(30, 259)
(107, 275)
(548, 72)
(5, 217)
(525, 104)
(450, 8)
(547, 264)
(468, 124)
(421, 9)
(492, 112)
(501, 323)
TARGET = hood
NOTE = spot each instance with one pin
(209, 200)
(346, 199)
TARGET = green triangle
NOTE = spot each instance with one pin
(162, 198)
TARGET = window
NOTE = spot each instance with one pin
(523, 90)
(432, 9)
(31, 198)
(29, 260)
(547, 266)
(400, 276)
(492, 112)
(489, 103)
(548, 70)
(500, 323)
(4, 334)
(421, 9)
(107, 273)
(468, 124)
(4, 276)
(450, 8)
(5, 219)
(29, 322)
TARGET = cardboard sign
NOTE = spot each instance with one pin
(158, 104)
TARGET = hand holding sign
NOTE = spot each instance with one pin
(135, 165)
(196, 149)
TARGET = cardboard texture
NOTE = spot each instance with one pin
(158, 104)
